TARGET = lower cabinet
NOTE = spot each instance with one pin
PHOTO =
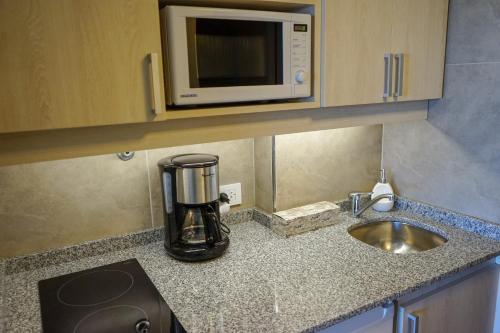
(465, 303)
(464, 306)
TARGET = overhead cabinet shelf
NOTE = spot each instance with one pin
(255, 73)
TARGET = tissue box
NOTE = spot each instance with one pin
(306, 218)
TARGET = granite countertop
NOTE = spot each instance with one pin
(268, 283)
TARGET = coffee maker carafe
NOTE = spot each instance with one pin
(190, 187)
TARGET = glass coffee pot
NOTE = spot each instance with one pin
(200, 226)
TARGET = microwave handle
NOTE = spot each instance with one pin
(154, 72)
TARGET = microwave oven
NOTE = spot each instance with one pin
(216, 55)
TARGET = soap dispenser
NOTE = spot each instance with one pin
(383, 187)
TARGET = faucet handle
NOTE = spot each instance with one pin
(358, 195)
(356, 200)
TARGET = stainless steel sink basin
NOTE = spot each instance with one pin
(396, 237)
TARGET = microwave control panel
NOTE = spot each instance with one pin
(301, 58)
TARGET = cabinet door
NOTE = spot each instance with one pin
(357, 35)
(465, 307)
(77, 63)
(419, 34)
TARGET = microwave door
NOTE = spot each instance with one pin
(228, 53)
(235, 60)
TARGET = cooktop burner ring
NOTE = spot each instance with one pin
(117, 283)
(82, 322)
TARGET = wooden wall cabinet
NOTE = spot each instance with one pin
(77, 63)
(359, 34)
(76, 80)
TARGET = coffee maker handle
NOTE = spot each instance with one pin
(211, 230)
(219, 225)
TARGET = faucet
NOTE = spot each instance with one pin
(357, 210)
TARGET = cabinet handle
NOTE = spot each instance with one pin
(413, 321)
(387, 75)
(399, 74)
(154, 69)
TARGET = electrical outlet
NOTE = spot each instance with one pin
(233, 191)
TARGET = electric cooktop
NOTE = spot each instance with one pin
(118, 297)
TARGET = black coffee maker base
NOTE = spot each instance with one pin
(197, 253)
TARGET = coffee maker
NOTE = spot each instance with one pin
(190, 187)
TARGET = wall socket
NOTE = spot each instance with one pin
(233, 191)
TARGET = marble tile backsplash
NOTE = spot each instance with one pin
(452, 160)
(54, 204)
(473, 28)
(263, 162)
(50, 205)
(326, 165)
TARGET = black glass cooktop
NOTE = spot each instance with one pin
(114, 298)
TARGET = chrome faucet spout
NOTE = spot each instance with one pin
(357, 209)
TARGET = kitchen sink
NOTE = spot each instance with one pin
(396, 236)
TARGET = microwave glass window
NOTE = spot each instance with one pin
(225, 53)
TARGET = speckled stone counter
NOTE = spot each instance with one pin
(266, 283)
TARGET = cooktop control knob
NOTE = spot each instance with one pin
(143, 326)
(300, 76)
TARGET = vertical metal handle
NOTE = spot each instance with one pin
(387, 75)
(155, 83)
(399, 74)
(399, 319)
(413, 321)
